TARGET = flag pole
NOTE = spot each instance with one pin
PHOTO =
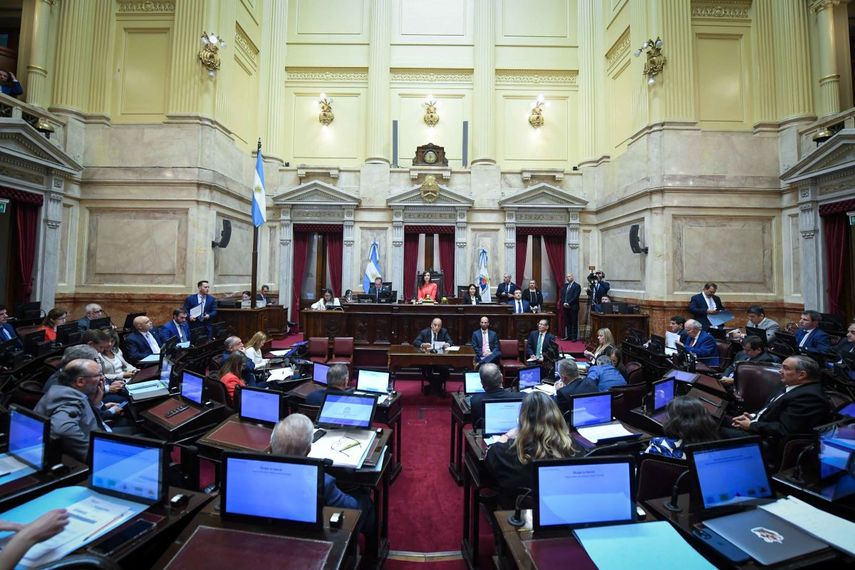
(252, 288)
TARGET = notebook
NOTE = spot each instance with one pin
(729, 473)
(500, 416)
(529, 377)
(260, 406)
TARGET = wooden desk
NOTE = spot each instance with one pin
(27, 488)
(195, 420)
(619, 447)
(475, 477)
(461, 415)
(408, 356)
(618, 324)
(233, 554)
(523, 548)
(271, 320)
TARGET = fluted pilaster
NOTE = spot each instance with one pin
(273, 58)
(38, 86)
(792, 62)
(763, 48)
(675, 87)
(379, 127)
(73, 55)
(827, 37)
(103, 30)
(587, 126)
(188, 78)
(484, 77)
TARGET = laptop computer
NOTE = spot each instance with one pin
(759, 333)
(192, 387)
(472, 383)
(128, 467)
(260, 406)
(346, 411)
(100, 323)
(344, 433)
(584, 492)
(372, 381)
(248, 480)
(28, 437)
(319, 373)
(682, 376)
(662, 394)
(529, 377)
(500, 416)
(591, 416)
(836, 461)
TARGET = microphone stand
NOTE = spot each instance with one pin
(516, 519)
(672, 504)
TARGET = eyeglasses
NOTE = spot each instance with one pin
(99, 375)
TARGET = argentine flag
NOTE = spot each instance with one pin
(372, 270)
(259, 199)
(483, 278)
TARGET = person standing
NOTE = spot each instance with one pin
(706, 303)
(505, 290)
(207, 302)
(570, 293)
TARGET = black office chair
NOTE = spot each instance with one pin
(76, 561)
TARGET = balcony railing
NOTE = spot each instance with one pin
(48, 124)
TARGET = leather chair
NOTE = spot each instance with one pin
(319, 348)
(634, 372)
(216, 391)
(80, 561)
(509, 361)
(754, 384)
(657, 475)
(725, 354)
(310, 412)
(627, 397)
(342, 351)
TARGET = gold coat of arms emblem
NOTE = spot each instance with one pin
(430, 189)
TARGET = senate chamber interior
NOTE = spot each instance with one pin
(447, 284)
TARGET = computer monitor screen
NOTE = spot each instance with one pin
(730, 473)
(592, 409)
(100, 323)
(191, 386)
(346, 410)
(848, 410)
(259, 405)
(27, 437)
(663, 393)
(584, 492)
(129, 467)
(501, 416)
(372, 381)
(319, 373)
(165, 369)
(529, 377)
(837, 461)
(682, 376)
(249, 479)
(472, 383)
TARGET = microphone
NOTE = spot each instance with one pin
(797, 470)
(671, 504)
(516, 519)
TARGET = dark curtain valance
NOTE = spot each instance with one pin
(837, 207)
(318, 228)
(541, 231)
(428, 229)
(21, 196)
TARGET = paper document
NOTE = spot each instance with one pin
(10, 464)
(611, 430)
(670, 351)
(279, 374)
(546, 388)
(452, 349)
(671, 339)
(279, 352)
(185, 344)
(720, 318)
(87, 519)
(492, 439)
(151, 358)
(196, 311)
(345, 447)
(438, 345)
(829, 528)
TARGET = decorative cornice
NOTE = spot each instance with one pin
(326, 75)
(245, 45)
(531, 77)
(619, 50)
(729, 10)
(145, 7)
(435, 76)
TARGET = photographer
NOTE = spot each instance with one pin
(599, 287)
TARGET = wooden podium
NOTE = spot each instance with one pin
(271, 320)
(618, 323)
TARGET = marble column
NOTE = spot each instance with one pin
(38, 86)
(484, 77)
(73, 56)
(188, 77)
(511, 245)
(827, 37)
(100, 79)
(571, 250)
(792, 59)
(674, 90)
(286, 261)
(274, 49)
(349, 252)
(586, 113)
(763, 52)
(379, 126)
(396, 255)
(462, 251)
(48, 262)
(812, 262)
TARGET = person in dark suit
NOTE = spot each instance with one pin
(235, 344)
(92, 311)
(177, 326)
(7, 332)
(505, 290)
(377, 291)
(485, 344)
(143, 342)
(570, 383)
(208, 302)
(338, 377)
(519, 305)
(810, 336)
(752, 351)
(539, 341)
(599, 286)
(533, 296)
(491, 380)
(569, 297)
(800, 406)
(472, 297)
(847, 345)
(705, 303)
(430, 339)
(700, 343)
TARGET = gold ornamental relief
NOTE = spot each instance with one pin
(430, 189)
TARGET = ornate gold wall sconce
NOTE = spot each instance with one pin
(209, 55)
(326, 117)
(431, 117)
(655, 60)
(535, 119)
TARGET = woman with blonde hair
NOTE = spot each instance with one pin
(542, 433)
(252, 349)
(605, 338)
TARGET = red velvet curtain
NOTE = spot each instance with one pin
(554, 246)
(835, 229)
(27, 222)
(301, 249)
(446, 261)
(335, 242)
(522, 242)
(411, 261)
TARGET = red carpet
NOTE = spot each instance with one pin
(286, 342)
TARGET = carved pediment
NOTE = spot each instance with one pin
(543, 195)
(413, 198)
(834, 156)
(315, 193)
(23, 146)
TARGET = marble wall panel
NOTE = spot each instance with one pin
(65, 254)
(368, 234)
(491, 240)
(233, 264)
(136, 247)
(624, 269)
(795, 255)
(735, 252)
(143, 71)
(443, 18)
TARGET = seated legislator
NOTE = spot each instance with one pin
(293, 436)
(144, 341)
(7, 331)
(114, 367)
(71, 406)
(70, 353)
(491, 381)
(338, 377)
(810, 336)
(252, 349)
(533, 296)
(433, 338)
(688, 422)
(207, 302)
(91, 311)
(231, 373)
(705, 303)
(757, 318)
(472, 297)
(326, 302)
(570, 383)
(263, 295)
(847, 345)
(25, 536)
(427, 289)
(505, 289)
(800, 406)
(604, 373)
(539, 341)
(604, 306)
(541, 433)
(700, 343)
(53, 319)
(485, 344)
(520, 306)
(234, 344)
(377, 291)
(176, 327)
(752, 351)
(605, 338)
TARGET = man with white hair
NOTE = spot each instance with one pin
(235, 344)
(700, 343)
(93, 311)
